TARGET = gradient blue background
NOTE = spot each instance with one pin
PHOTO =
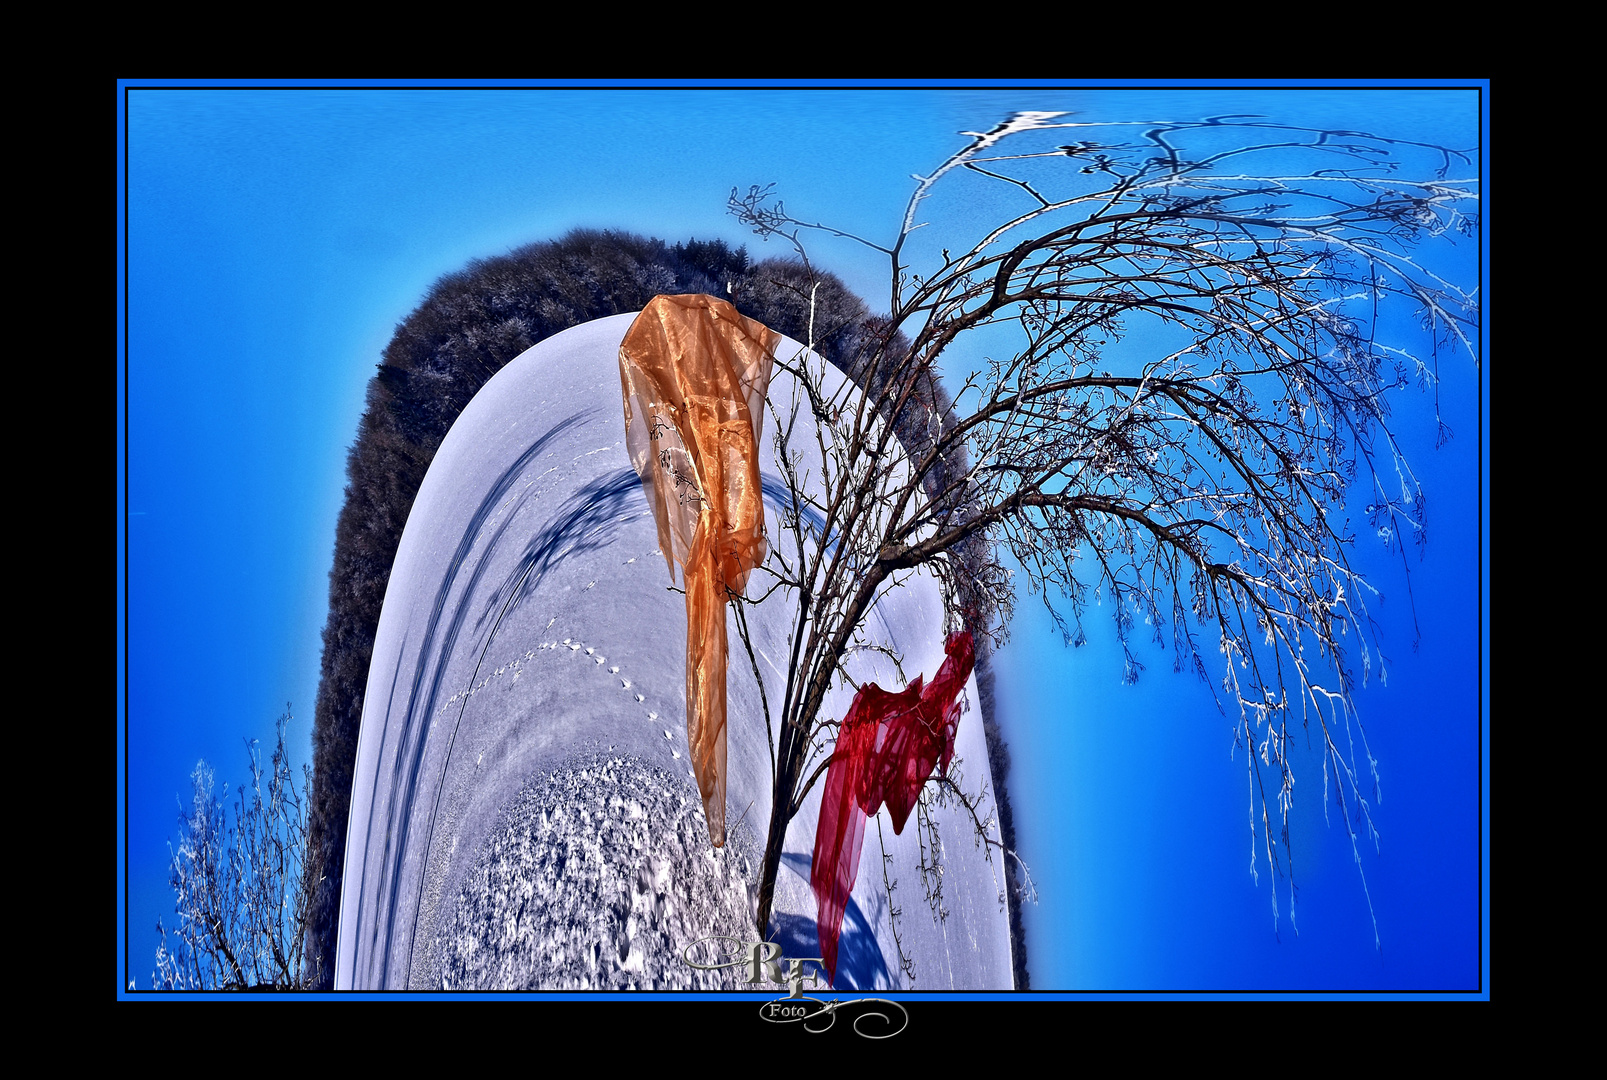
(275, 238)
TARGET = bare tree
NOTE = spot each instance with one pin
(1196, 381)
(240, 892)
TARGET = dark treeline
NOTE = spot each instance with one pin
(470, 325)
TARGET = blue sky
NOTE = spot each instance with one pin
(275, 236)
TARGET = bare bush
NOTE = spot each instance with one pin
(241, 900)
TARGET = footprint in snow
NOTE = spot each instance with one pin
(639, 697)
(614, 670)
(590, 651)
(667, 735)
(652, 716)
(626, 684)
(675, 754)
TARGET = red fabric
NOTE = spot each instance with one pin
(841, 831)
(886, 749)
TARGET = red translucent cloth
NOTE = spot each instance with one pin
(886, 749)
(693, 374)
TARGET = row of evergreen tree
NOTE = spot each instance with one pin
(470, 325)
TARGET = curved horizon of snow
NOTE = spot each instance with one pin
(528, 638)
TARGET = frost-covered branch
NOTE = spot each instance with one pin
(241, 900)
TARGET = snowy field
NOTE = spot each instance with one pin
(523, 815)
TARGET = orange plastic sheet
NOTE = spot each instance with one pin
(886, 749)
(694, 374)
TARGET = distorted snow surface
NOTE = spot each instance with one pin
(527, 573)
(597, 877)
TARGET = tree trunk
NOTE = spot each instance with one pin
(793, 750)
(769, 869)
(790, 757)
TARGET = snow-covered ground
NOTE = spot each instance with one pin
(523, 815)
